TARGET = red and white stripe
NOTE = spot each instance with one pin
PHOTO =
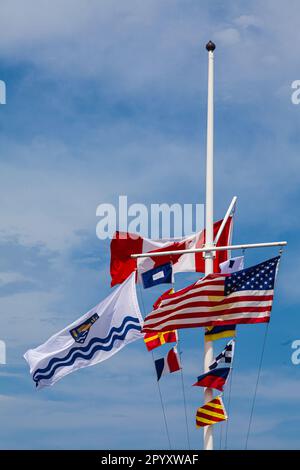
(204, 304)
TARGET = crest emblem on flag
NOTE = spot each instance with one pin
(80, 332)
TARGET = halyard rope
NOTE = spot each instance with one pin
(259, 370)
(184, 398)
(157, 382)
(256, 385)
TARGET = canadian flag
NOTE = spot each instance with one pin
(123, 245)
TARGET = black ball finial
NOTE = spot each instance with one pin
(210, 46)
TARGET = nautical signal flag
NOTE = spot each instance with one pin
(232, 265)
(211, 413)
(154, 340)
(245, 296)
(213, 379)
(168, 364)
(225, 356)
(159, 275)
(212, 333)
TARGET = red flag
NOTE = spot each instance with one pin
(123, 245)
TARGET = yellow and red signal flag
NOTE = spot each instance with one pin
(211, 413)
(154, 340)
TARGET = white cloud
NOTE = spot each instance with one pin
(228, 37)
(248, 20)
(134, 44)
(123, 42)
(8, 277)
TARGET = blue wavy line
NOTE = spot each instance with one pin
(87, 347)
(87, 357)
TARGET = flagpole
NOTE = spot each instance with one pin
(209, 216)
(243, 246)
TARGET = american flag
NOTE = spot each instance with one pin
(245, 296)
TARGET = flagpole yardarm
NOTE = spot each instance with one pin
(229, 212)
(209, 221)
(204, 250)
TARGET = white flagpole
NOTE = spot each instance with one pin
(227, 215)
(209, 220)
(243, 246)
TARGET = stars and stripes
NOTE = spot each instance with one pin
(225, 356)
(245, 296)
(211, 413)
(212, 333)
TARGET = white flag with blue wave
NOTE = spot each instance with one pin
(96, 336)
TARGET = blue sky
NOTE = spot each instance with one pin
(107, 98)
